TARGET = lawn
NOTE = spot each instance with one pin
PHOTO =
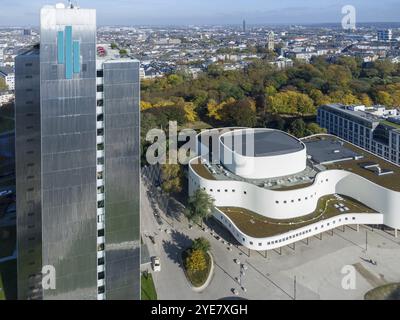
(258, 226)
(201, 170)
(147, 287)
(2, 293)
(197, 279)
(8, 280)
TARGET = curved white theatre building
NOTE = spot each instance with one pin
(272, 189)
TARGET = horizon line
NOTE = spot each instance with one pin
(217, 24)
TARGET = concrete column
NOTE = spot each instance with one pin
(395, 233)
(358, 228)
(318, 236)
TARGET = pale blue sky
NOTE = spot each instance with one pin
(179, 12)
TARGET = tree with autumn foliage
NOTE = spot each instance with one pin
(196, 261)
(171, 177)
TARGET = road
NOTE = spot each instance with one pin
(316, 266)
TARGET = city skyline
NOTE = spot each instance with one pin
(179, 12)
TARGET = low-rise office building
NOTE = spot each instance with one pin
(376, 129)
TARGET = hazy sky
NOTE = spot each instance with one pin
(178, 12)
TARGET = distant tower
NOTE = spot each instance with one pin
(271, 41)
(385, 35)
(244, 25)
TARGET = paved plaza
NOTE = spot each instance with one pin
(316, 266)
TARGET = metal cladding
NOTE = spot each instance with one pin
(58, 189)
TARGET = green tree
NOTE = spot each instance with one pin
(366, 100)
(175, 79)
(298, 128)
(314, 128)
(344, 98)
(3, 85)
(199, 207)
(384, 98)
(123, 52)
(270, 90)
(240, 113)
(201, 244)
(384, 67)
(353, 64)
(291, 102)
(319, 98)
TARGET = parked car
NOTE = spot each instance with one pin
(158, 219)
(155, 264)
(152, 239)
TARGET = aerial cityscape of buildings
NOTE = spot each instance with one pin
(297, 135)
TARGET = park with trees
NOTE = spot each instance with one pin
(259, 94)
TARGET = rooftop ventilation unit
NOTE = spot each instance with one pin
(375, 168)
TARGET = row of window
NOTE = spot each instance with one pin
(299, 199)
(357, 136)
(212, 190)
(301, 233)
(245, 192)
(225, 190)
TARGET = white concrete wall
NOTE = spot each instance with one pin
(251, 167)
(262, 244)
(384, 200)
(270, 203)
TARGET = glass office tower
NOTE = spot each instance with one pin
(81, 214)
(28, 173)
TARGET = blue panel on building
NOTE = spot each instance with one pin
(60, 47)
(68, 52)
(77, 57)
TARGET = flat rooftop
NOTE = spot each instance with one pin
(390, 181)
(367, 116)
(106, 54)
(325, 151)
(350, 158)
(264, 143)
(257, 226)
